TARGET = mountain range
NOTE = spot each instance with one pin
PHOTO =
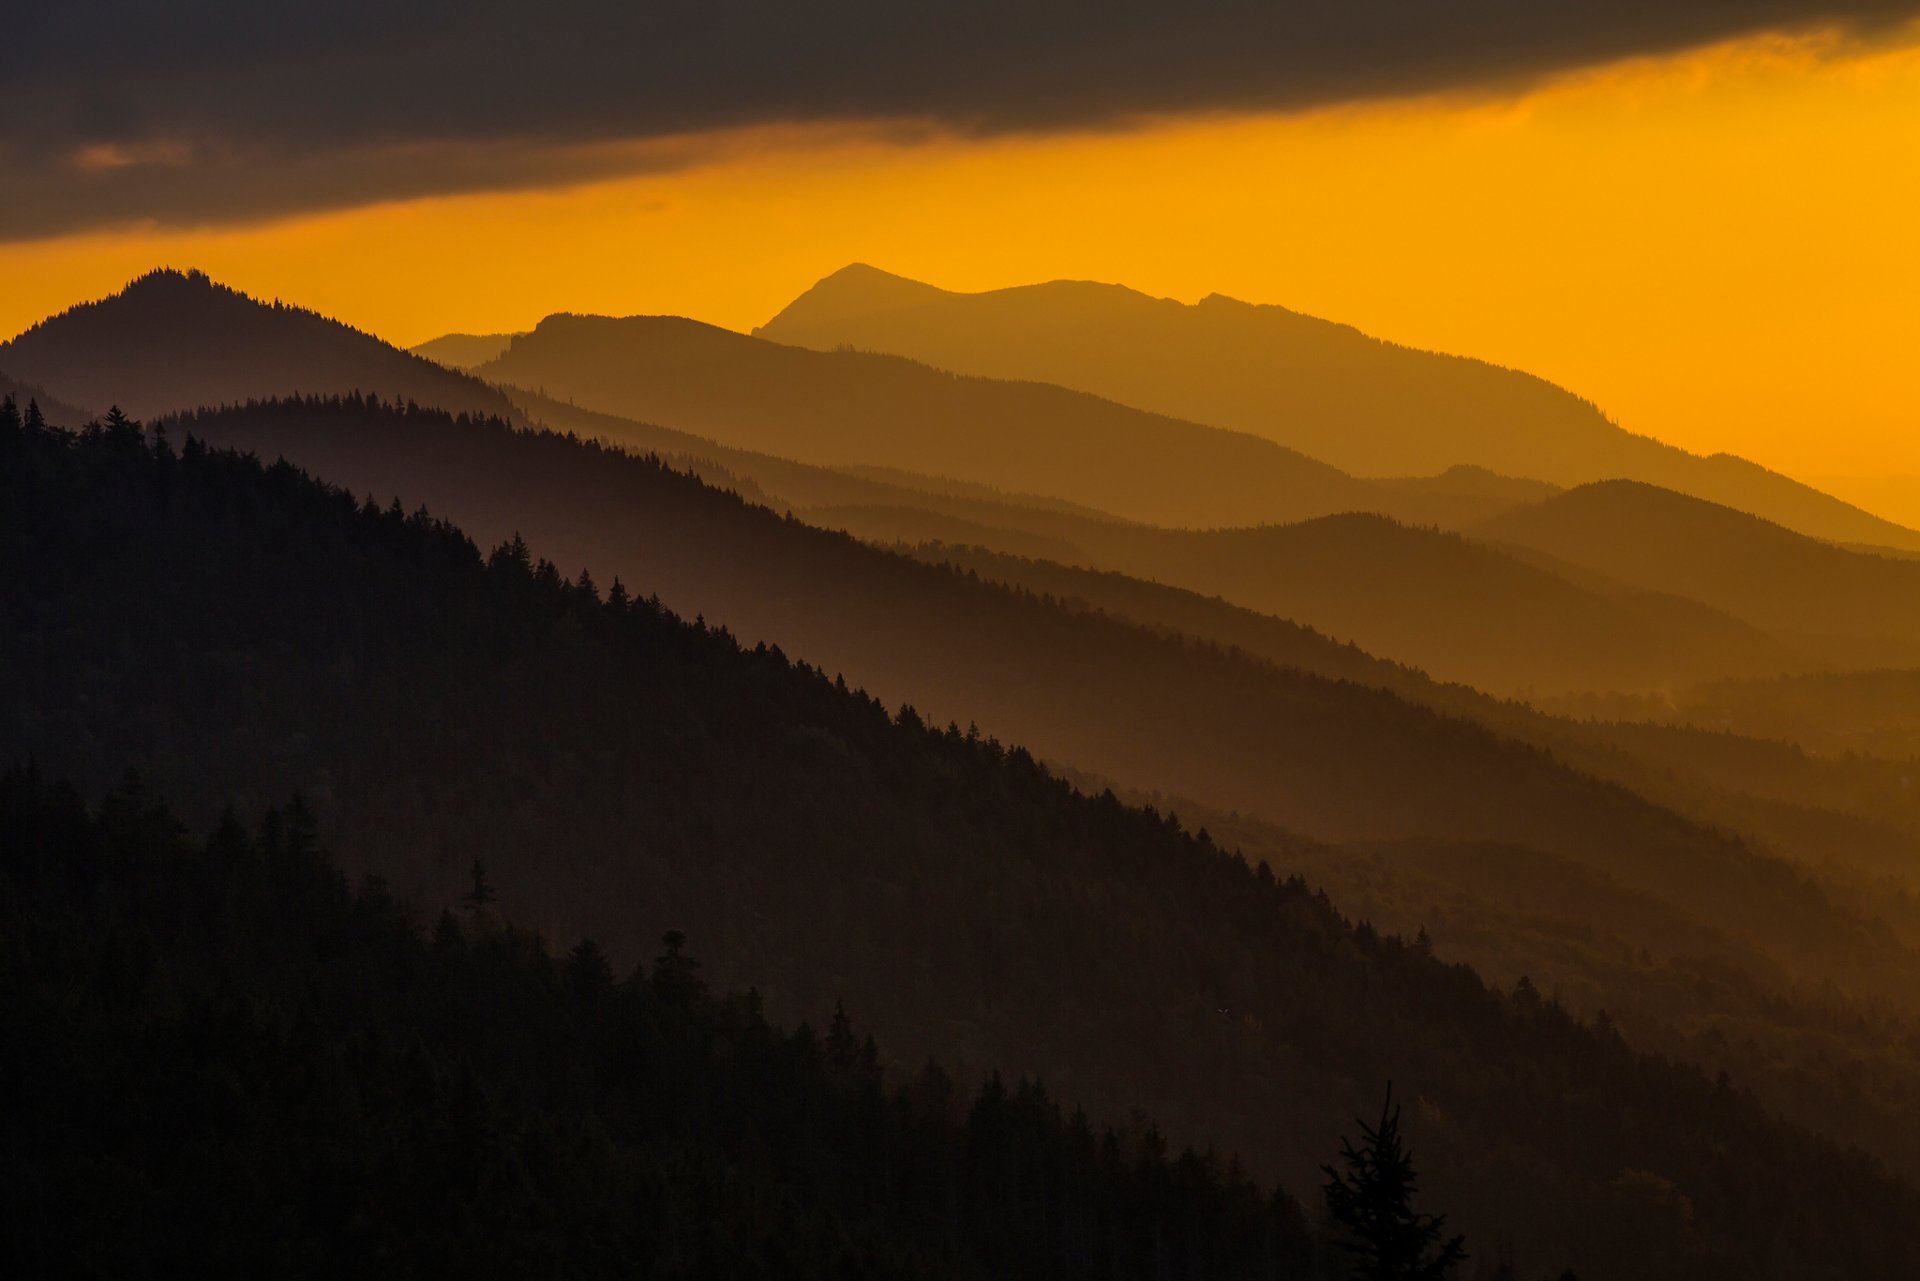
(1310, 671)
(626, 769)
(1371, 407)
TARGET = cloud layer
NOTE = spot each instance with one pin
(224, 110)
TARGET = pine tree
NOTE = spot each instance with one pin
(481, 896)
(1372, 1201)
(588, 972)
(673, 970)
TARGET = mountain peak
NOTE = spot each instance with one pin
(857, 289)
(176, 340)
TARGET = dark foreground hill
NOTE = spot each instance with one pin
(238, 1065)
(240, 631)
(1373, 408)
(172, 340)
(1140, 708)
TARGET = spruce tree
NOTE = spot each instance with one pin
(481, 896)
(1372, 1202)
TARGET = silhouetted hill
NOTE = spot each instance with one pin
(1141, 708)
(1371, 407)
(233, 628)
(1848, 604)
(1460, 609)
(784, 483)
(463, 351)
(173, 340)
(239, 1065)
(1853, 820)
(854, 409)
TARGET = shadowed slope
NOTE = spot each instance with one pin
(617, 768)
(1140, 708)
(1371, 407)
(177, 341)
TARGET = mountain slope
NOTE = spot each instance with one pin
(622, 770)
(1853, 819)
(238, 1065)
(1140, 708)
(173, 340)
(1460, 609)
(1456, 608)
(850, 409)
(1852, 602)
(1370, 407)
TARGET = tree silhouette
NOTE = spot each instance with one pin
(482, 894)
(588, 971)
(1372, 1201)
(673, 970)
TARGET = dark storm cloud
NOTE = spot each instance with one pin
(217, 110)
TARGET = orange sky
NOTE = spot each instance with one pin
(1720, 249)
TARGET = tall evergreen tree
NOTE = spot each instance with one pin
(1372, 1202)
(482, 894)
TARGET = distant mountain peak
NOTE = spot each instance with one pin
(857, 289)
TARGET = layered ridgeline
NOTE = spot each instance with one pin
(1837, 714)
(241, 632)
(850, 408)
(172, 340)
(237, 1064)
(1140, 707)
(464, 351)
(1853, 816)
(1458, 608)
(1371, 407)
(1856, 607)
(50, 407)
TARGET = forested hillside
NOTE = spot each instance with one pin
(1142, 708)
(239, 1065)
(239, 632)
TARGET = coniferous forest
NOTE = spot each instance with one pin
(236, 634)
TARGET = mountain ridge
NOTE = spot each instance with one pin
(1365, 404)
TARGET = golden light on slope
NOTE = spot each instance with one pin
(1718, 248)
